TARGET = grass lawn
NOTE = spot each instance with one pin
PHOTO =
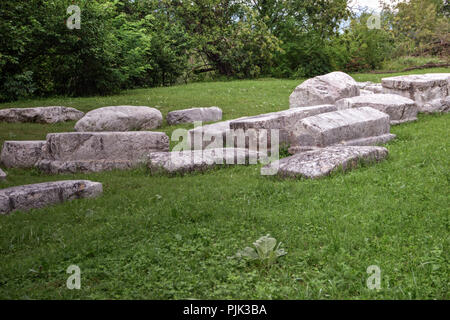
(158, 237)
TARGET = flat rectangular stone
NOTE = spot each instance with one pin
(422, 88)
(285, 121)
(321, 162)
(76, 146)
(399, 108)
(21, 154)
(341, 127)
(40, 114)
(44, 194)
(199, 160)
(194, 114)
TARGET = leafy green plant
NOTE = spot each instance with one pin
(266, 251)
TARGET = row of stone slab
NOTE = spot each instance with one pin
(310, 164)
(115, 118)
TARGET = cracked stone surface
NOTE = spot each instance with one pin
(399, 108)
(422, 88)
(44, 194)
(321, 162)
(21, 154)
(326, 89)
(40, 114)
(99, 151)
(349, 127)
(120, 118)
(194, 114)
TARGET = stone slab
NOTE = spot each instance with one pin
(2, 175)
(199, 160)
(422, 88)
(194, 114)
(321, 162)
(21, 154)
(120, 118)
(40, 114)
(326, 89)
(44, 194)
(341, 127)
(75, 146)
(399, 108)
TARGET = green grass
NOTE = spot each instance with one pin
(402, 63)
(159, 237)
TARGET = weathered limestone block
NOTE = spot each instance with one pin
(194, 114)
(2, 175)
(120, 118)
(322, 161)
(422, 88)
(326, 89)
(284, 121)
(199, 160)
(21, 154)
(40, 114)
(362, 126)
(44, 194)
(437, 105)
(399, 109)
(98, 151)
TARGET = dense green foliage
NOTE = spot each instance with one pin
(140, 43)
(158, 237)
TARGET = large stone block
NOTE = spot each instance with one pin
(120, 118)
(194, 114)
(98, 151)
(399, 109)
(199, 160)
(361, 126)
(21, 154)
(40, 114)
(285, 121)
(44, 194)
(422, 88)
(326, 89)
(321, 162)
